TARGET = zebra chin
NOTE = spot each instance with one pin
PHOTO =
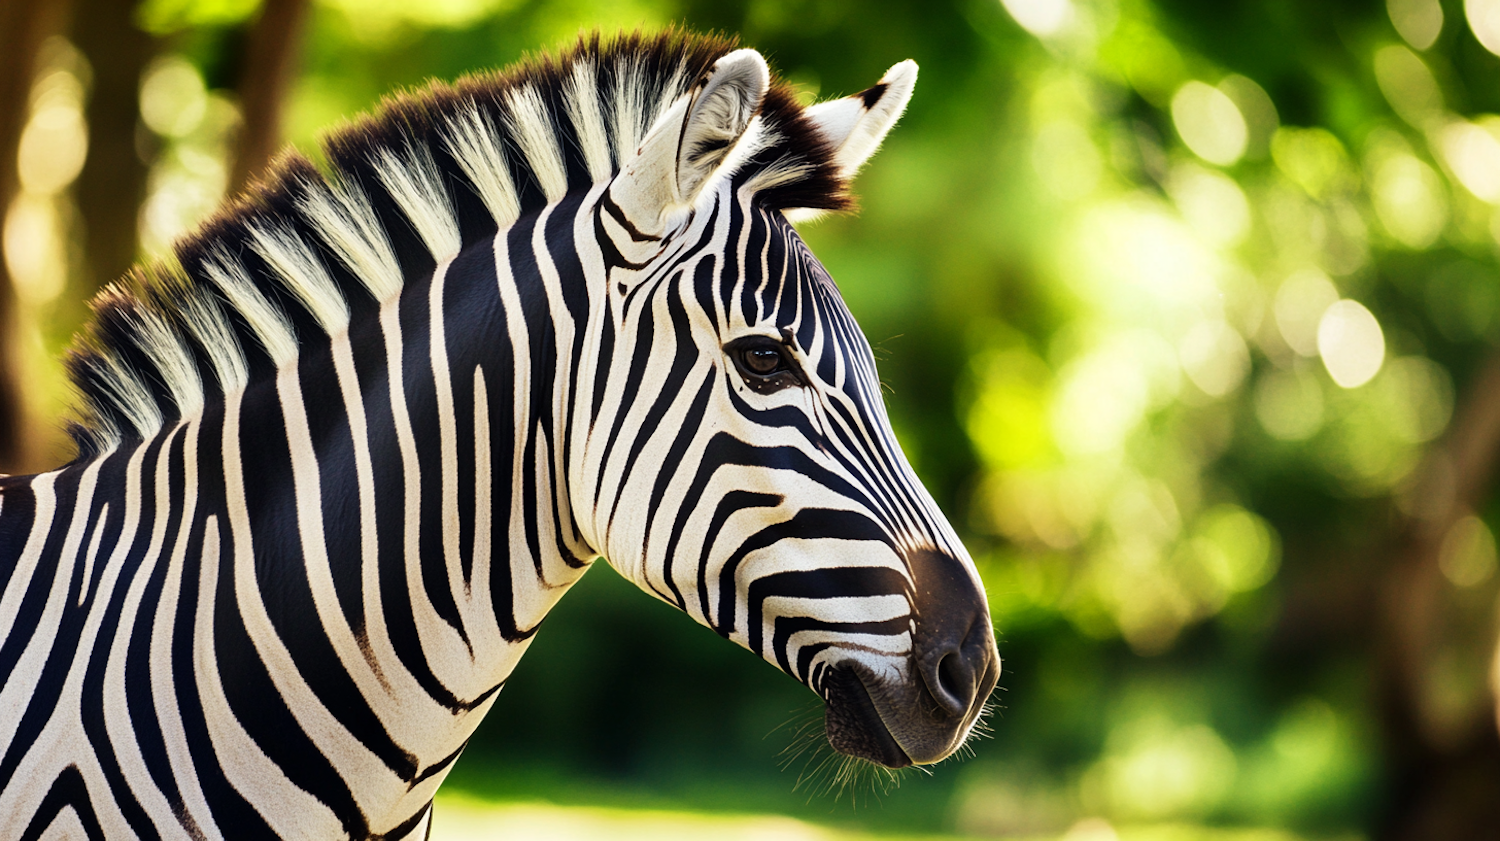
(894, 724)
(925, 716)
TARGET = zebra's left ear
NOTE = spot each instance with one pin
(692, 144)
(856, 124)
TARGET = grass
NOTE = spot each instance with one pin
(461, 817)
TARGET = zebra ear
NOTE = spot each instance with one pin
(692, 144)
(856, 124)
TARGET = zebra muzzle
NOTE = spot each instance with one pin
(926, 715)
(853, 722)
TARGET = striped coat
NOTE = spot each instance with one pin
(344, 450)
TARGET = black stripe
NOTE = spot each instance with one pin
(68, 791)
(806, 524)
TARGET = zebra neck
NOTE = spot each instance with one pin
(372, 535)
(458, 402)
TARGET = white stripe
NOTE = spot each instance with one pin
(15, 694)
(519, 552)
(307, 488)
(349, 758)
(117, 715)
(445, 651)
(369, 532)
(531, 127)
(290, 811)
(486, 632)
(63, 739)
(83, 506)
(198, 818)
(85, 588)
(442, 380)
(392, 693)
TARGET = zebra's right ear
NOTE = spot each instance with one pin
(692, 145)
(856, 124)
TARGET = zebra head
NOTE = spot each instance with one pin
(739, 462)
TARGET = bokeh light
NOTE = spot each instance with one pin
(1289, 404)
(1209, 123)
(173, 97)
(189, 176)
(1419, 21)
(1300, 303)
(55, 140)
(1409, 198)
(1182, 352)
(1472, 151)
(1408, 84)
(1484, 21)
(1042, 18)
(1351, 343)
(1215, 357)
(1468, 555)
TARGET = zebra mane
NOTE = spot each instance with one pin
(300, 253)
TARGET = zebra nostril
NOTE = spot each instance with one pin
(950, 674)
(951, 682)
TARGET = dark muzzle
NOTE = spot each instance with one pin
(953, 669)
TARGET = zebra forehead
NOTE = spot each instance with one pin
(431, 171)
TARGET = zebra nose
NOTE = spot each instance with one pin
(954, 644)
(956, 667)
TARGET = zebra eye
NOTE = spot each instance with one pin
(766, 365)
(762, 360)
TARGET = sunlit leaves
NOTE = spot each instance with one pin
(162, 17)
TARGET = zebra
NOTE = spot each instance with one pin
(343, 449)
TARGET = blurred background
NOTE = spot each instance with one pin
(1190, 317)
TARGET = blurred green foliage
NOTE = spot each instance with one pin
(1174, 301)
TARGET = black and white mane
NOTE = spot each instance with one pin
(430, 172)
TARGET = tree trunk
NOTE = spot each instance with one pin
(1444, 775)
(112, 186)
(270, 64)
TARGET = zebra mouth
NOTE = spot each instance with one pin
(853, 722)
